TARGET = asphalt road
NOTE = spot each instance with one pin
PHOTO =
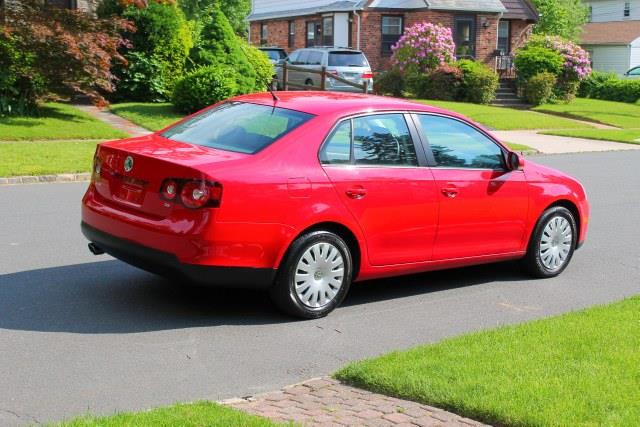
(84, 334)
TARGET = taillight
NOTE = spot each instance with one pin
(367, 75)
(193, 193)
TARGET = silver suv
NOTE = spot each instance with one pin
(349, 64)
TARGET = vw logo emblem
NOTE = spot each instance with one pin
(128, 164)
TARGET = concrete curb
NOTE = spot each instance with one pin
(46, 179)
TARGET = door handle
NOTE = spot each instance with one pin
(356, 192)
(451, 191)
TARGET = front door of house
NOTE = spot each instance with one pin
(314, 33)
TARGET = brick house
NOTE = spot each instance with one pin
(88, 6)
(482, 29)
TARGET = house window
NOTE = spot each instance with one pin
(392, 29)
(590, 14)
(313, 33)
(264, 33)
(292, 33)
(627, 9)
(327, 31)
(504, 37)
(465, 36)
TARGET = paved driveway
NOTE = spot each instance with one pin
(89, 334)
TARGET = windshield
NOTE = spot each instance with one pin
(347, 59)
(238, 126)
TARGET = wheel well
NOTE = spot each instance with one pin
(572, 208)
(346, 234)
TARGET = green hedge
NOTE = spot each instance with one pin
(610, 87)
(539, 88)
(479, 82)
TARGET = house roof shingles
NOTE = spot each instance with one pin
(615, 33)
(520, 9)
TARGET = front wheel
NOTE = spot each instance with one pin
(552, 243)
(314, 277)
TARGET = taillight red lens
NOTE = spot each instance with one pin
(195, 194)
(368, 75)
(169, 189)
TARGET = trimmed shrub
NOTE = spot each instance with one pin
(532, 60)
(143, 79)
(21, 85)
(261, 65)
(219, 45)
(203, 87)
(479, 82)
(389, 83)
(443, 83)
(539, 88)
(423, 47)
(610, 87)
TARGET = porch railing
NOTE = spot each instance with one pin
(505, 67)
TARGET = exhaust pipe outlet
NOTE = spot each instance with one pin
(95, 249)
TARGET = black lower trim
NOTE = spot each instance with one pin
(167, 264)
(579, 245)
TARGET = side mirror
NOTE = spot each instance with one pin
(515, 162)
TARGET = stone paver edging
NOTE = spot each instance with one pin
(324, 402)
(45, 179)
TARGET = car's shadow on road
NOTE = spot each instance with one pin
(112, 297)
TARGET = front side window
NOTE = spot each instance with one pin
(292, 33)
(238, 126)
(392, 29)
(457, 145)
(465, 36)
(383, 140)
(315, 58)
(337, 149)
(264, 34)
(327, 30)
(634, 71)
(503, 37)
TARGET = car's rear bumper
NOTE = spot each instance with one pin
(167, 264)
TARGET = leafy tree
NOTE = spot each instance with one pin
(236, 11)
(562, 18)
(59, 51)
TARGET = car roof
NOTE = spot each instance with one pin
(331, 48)
(319, 103)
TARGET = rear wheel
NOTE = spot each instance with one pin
(315, 275)
(552, 243)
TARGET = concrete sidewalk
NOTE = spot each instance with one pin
(106, 116)
(552, 144)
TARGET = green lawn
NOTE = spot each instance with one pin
(520, 147)
(56, 121)
(45, 157)
(501, 118)
(198, 414)
(631, 136)
(620, 114)
(151, 116)
(578, 369)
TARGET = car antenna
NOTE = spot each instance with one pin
(273, 94)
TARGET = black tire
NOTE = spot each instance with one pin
(533, 262)
(283, 292)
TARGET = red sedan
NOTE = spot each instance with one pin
(304, 193)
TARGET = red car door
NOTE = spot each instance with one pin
(483, 206)
(374, 166)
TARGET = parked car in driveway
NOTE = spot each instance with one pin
(350, 64)
(633, 73)
(304, 193)
(275, 54)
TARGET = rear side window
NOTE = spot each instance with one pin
(238, 126)
(457, 145)
(376, 140)
(315, 58)
(337, 149)
(347, 59)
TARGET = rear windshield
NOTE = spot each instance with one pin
(347, 59)
(275, 55)
(238, 126)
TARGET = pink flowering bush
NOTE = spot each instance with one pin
(423, 48)
(573, 64)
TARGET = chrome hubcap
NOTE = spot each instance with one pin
(319, 275)
(555, 244)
